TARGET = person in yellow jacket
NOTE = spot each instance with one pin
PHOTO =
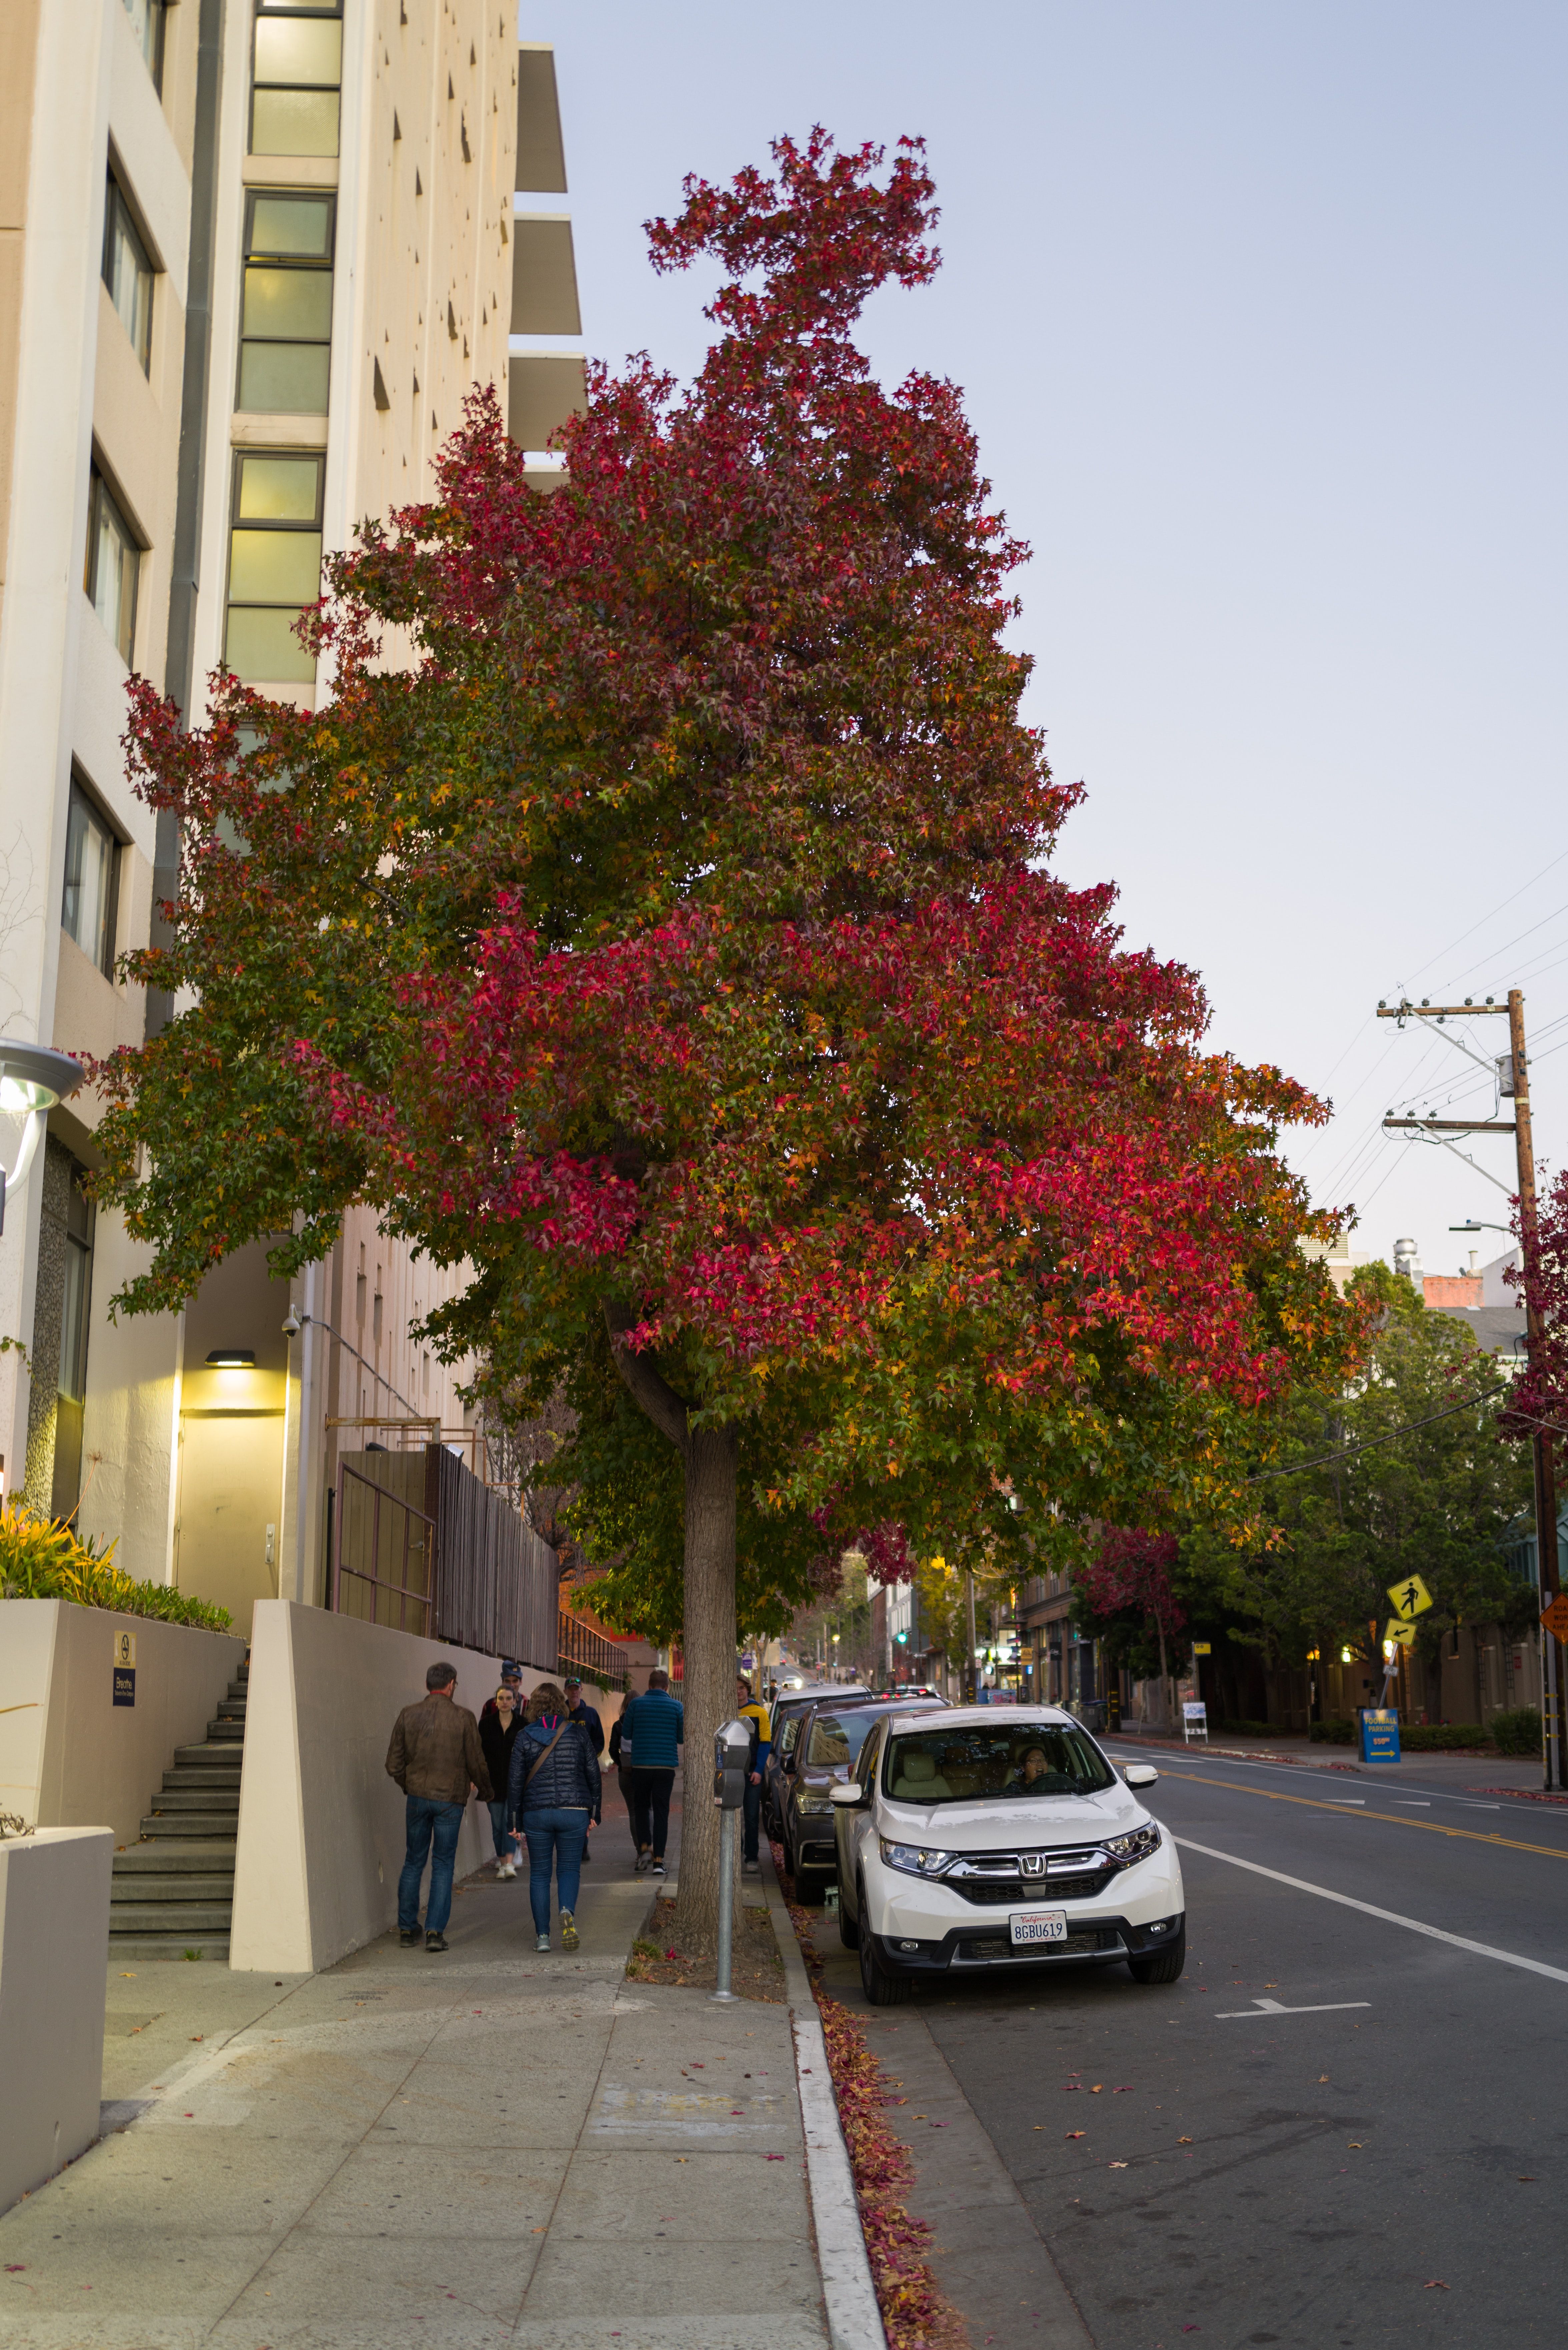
(753, 1711)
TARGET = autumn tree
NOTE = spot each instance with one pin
(660, 921)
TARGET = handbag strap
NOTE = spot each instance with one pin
(548, 1750)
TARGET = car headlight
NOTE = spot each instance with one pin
(916, 1860)
(813, 1805)
(1135, 1846)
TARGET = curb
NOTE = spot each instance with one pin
(854, 2320)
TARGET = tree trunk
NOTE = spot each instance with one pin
(1167, 1700)
(709, 1459)
(707, 1692)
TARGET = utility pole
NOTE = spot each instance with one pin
(1554, 1714)
(969, 1597)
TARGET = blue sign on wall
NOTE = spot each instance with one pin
(125, 1684)
(1379, 1735)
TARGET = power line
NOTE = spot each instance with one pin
(1488, 918)
(1296, 1467)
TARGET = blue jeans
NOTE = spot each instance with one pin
(499, 1829)
(429, 1820)
(558, 1835)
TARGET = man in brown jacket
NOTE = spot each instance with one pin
(437, 1760)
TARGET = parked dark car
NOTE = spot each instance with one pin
(788, 1711)
(829, 1739)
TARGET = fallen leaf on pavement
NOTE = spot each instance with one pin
(772, 2157)
(1355, 2142)
(1435, 2284)
(1071, 2133)
(1184, 2141)
(1322, 2077)
(1115, 2165)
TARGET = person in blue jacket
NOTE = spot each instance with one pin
(654, 1727)
(554, 1792)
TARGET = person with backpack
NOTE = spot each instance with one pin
(555, 1793)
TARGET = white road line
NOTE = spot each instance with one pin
(1389, 1916)
(1344, 1799)
(1273, 2007)
(1411, 1804)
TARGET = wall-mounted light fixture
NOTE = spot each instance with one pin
(33, 1078)
(232, 1358)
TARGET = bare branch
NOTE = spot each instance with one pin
(650, 1392)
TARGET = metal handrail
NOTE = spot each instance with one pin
(378, 1583)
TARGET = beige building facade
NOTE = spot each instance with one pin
(253, 257)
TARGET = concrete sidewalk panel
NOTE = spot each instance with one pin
(477, 2191)
(319, 2285)
(631, 2329)
(630, 2194)
(226, 2185)
(716, 2280)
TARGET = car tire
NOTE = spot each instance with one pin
(1164, 1967)
(848, 1926)
(882, 1986)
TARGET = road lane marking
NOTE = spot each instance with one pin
(1410, 1802)
(1334, 1799)
(1273, 2007)
(1318, 1770)
(1332, 1802)
(1389, 1917)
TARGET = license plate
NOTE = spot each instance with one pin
(1038, 1925)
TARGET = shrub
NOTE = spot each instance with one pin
(41, 1558)
(1433, 1738)
(1335, 1729)
(1518, 1732)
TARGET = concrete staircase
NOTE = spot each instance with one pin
(174, 1893)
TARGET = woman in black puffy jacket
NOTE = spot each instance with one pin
(554, 1793)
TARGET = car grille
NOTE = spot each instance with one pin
(992, 1891)
(976, 1949)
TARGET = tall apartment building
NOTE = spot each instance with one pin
(253, 254)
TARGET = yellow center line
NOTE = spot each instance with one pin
(1349, 1811)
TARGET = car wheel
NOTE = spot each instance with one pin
(1164, 1966)
(881, 1986)
(848, 1926)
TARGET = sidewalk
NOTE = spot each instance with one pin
(1460, 1771)
(492, 2147)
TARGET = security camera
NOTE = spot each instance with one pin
(291, 1326)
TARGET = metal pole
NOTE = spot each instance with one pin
(969, 1673)
(726, 1903)
(1555, 1757)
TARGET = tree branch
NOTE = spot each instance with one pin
(650, 1391)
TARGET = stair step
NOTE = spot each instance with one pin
(170, 1885)
(197, 1799)
(232, 1708)
(170, 1946)
(203, 1774)
(170, 1917)
(159, 1825)
(219, 1751)
(193, 1858)
(226, 1732)
(237, 1690)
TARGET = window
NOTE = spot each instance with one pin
(146, 24)
(298, 68)
(113, 565)
(71, 1381)
(128, 274)
(963, 1766)
(287, 325)
(92, 861)
(274, 565)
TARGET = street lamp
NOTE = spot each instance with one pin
(33, 1078)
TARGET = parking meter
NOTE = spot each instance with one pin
(731, 1752)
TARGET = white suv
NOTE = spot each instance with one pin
(984, 1838)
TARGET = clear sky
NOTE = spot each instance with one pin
(1258, 312)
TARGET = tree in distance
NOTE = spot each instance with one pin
(658, 922)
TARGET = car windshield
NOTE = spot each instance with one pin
(962, 1766)
(836, 1738)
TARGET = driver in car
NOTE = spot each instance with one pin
(1033, 1767)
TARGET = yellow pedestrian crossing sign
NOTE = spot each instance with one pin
(1400, 1636)
(1411, 1598)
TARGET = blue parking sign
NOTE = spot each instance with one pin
(1379, 1735)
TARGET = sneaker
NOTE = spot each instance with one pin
(507, 1868)
(568, 1930)
(542, 1942)
(641, 1861)
(411, 1940)
(659, 1868)
(435, 1942)
(751, 1868)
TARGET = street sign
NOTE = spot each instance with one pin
(1403, 1635)
(1411, 1598)
(1555, 1617)
(1379, 1735)
(125, 1648)
(124, 1685)
(1203, 1647)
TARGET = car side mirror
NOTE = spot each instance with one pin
(846, 1792)
(1140, 1775)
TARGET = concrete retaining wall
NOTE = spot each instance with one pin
(54, 1947)
(71, 1757)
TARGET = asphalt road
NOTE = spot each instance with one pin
(1377, 2156)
